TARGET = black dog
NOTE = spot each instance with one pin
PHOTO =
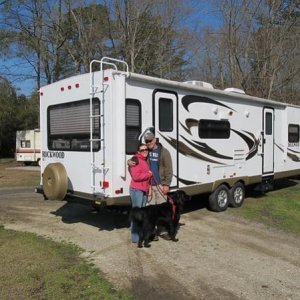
(165, 214)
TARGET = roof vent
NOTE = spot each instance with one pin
(235, 90)
(200, 84)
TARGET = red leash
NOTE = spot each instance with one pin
(169, 198)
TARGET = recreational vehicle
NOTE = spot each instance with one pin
(220, 140)
(28, 146)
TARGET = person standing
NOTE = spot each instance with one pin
(140, 183)
(160, 162)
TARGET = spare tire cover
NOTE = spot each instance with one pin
(55, 181)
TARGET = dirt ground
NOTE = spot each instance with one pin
(216, 257)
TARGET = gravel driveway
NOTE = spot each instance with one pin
(217, 256)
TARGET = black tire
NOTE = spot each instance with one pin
(219, 198)
(55, 182)
(237, 195)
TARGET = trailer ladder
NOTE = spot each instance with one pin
(96, 88)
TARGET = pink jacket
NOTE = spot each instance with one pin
(140, 174)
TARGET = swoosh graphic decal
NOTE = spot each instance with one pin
(189, 99)
(189, 123)
(294, 151)
(185, 128)
(293, 157)
(185, 181)
(292, 154)
(251, 143)
(206, 149)
(187, 151)
(280, 148)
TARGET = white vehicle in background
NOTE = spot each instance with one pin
(220, 140)
(28, 146)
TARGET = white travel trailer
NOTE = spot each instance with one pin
(28, 146)
(220, 141)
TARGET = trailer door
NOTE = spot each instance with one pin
(268, 145)
(165, 120)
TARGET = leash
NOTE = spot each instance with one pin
(169, 198)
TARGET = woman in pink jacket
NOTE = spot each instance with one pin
(140, 184)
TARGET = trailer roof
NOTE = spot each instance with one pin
(210, 91)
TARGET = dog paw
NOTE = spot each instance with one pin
(165, 236)
(175, 240)
(147, 245)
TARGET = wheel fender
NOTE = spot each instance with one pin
(55, 181)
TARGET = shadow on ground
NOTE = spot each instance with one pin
(114, 217)
(105, 219)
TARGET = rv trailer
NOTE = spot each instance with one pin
(28, 146)
(220, 140)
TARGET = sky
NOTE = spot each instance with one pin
(203, 14)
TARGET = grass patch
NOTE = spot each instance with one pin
(6, 160)
(36, 268)
(279, 208)
(10, 177)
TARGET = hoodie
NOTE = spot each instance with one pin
(140, 175)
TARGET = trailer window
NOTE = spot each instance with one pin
(165, 114)
(293, 133)
(25, 144)
(214, 129)
(269, 124)
(69, 126)
(133, 125)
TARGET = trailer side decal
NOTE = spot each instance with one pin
(292, 154)
(202, 147)
(189, 99)
(252, 142)
(187, 151)
(189, 124)
(186, 181)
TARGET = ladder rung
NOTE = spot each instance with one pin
(96, 140)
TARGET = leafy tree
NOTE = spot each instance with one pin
(16, 113)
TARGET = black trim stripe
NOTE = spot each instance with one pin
(251, 143)
(187, 151)
(206, 149)
(189, 99)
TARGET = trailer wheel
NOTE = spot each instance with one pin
(237, 195)
(55, 181)
(39, 162)
(219, 198)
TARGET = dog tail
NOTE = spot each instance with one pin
(136, 214)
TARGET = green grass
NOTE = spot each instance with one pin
(36, 268)
(6, 160)
(279, 208)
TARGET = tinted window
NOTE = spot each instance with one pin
(293, 133)
(214, 129)
(165, 107)
(269, 123)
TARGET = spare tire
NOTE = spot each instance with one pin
(55, 181)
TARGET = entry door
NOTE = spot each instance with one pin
(268, 146)
(165, 121)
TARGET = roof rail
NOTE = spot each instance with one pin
(111, 62)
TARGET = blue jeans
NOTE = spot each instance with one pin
(139, 199)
